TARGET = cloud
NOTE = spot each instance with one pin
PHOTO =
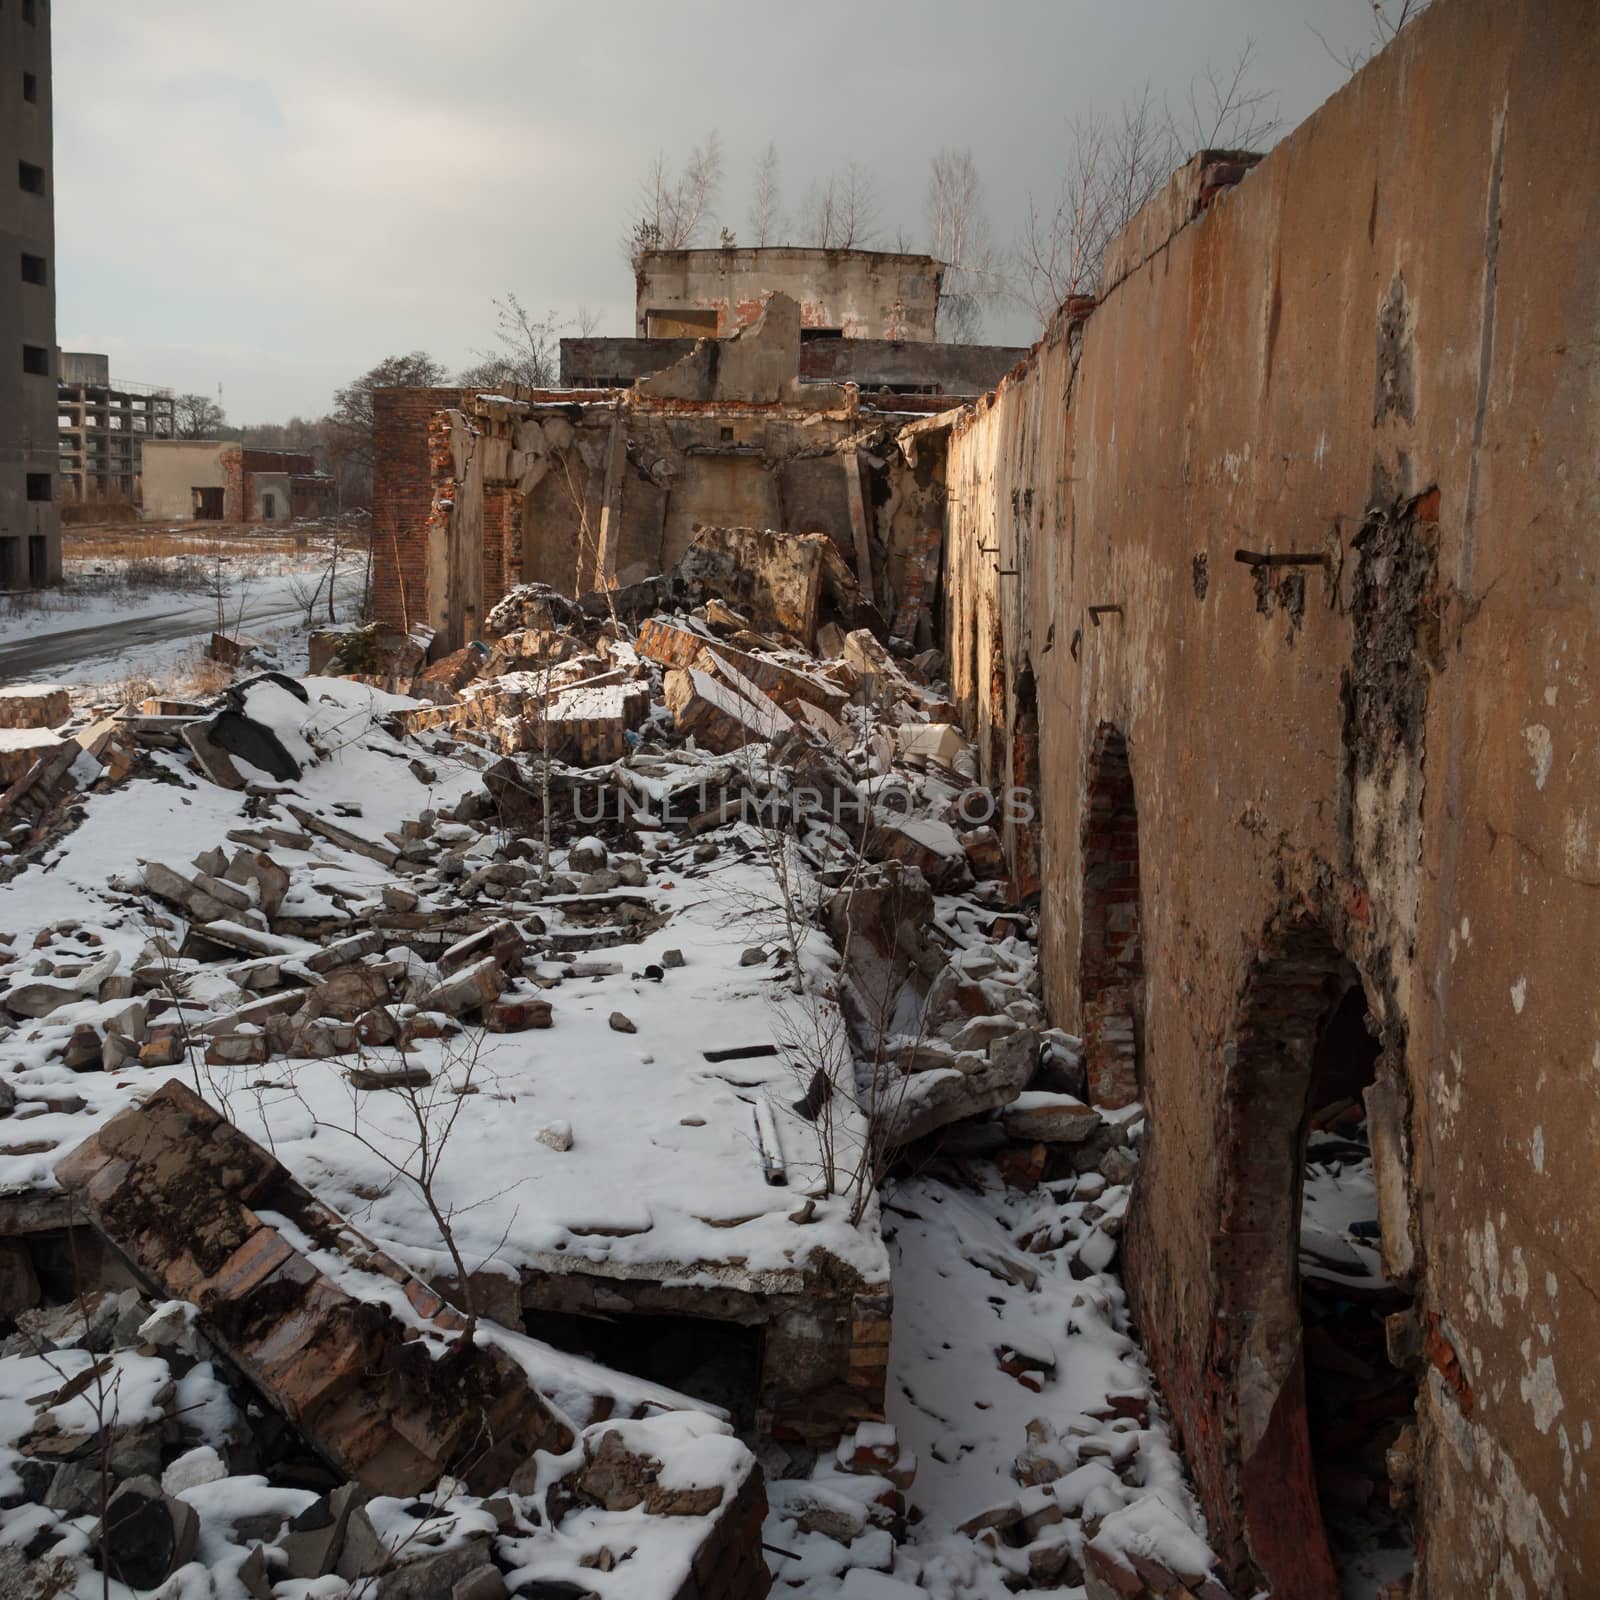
(276, 199)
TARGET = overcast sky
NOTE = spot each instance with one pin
(271, 198)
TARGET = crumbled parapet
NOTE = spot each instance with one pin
(393, 1402)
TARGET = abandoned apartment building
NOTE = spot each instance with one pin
(104, 425)
(30, 513)
(1267, 573)
(209, 480)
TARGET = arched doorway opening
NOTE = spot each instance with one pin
(1111, 946)
(1302, 1299)
(1026, 782)
(1357, 1403)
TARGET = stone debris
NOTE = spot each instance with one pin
(175, 1188)
(677, 749)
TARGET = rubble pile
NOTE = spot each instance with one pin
(132, 1444)
(606, 966)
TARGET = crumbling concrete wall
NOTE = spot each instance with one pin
(175, 468)
(870, 364)
(473, 494)
(402, 496)
(1370, 360)
(865, 294)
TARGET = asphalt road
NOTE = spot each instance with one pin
(53, 652)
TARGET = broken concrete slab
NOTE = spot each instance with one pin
(940, 742)
(1037, 1117)
(934, 1099)
(245, 739)
(931, 846)
(255, 869)
(674, 646)
(775, 577)
(718, 717)
(213, 760)
(385, 855)
(186, 895)
(178, 1191)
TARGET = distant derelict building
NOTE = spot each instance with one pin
(220, 480)
(103, 425)
(30, 517)
(867, 317)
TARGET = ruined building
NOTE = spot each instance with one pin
(104, 424)
(210, 480)
(867, 317)
(475, 493)
(1268, 574)
(30, 518)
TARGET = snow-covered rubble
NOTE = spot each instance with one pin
(657, 958)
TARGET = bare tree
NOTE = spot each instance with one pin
(415, 1151)
(350, 423)
(1061, 244)
(766, 203)
(1226, 112)
(1387, 18)
(197, 416)
(1115, 166)
(675, 207)
(842, 212)
(959, 236)
(529, 353)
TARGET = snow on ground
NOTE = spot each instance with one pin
(645, 1104)
(123, 619)
(1015, 1383)
(1072, 1437)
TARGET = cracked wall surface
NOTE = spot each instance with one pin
(586, 489)
(1374, 354)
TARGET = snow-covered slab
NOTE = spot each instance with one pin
(664, 1179)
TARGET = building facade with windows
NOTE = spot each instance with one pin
(104, 423)
(30, 515)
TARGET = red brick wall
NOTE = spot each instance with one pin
(402, 496)
(235, 505)
(502, 543)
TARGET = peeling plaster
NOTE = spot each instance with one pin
(1539, 1388)
(1536, 737)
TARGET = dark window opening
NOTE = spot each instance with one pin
(30, 11)
(1111, 951)
(38, 560)
(33, 269)
(727, 435)
(715, 1361)
(40, 486)
(269, 507)
(36, 359)
(1028, 781)
(30, 87)
(1357, 1403)
(207, 504)
(30, 177)
(810, 335)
